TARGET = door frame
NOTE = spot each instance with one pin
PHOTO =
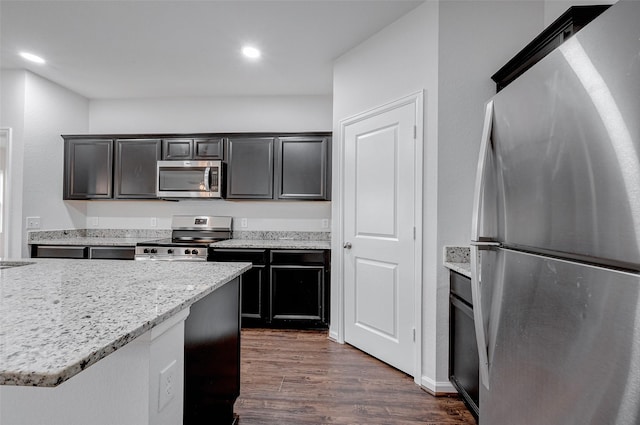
(338, 317)
(6, 212)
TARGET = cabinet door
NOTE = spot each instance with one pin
(250, 169)
(302, 167)
(136, 171)
(88, 169)
(297, 294)
(254, 283)
(177, 148)
(210, 148)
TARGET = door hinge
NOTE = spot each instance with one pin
(414, 334)
(415, 131)
(414, 233)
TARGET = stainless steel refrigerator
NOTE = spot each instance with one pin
(556, 229)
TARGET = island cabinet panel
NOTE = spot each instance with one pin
(250, 168)
(88, 169)
(212, 357)
(135, 168)
(254, 283)
(301, 165)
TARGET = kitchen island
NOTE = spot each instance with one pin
(100, 342)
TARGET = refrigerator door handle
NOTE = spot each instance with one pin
(480, 173)
(480, 243)
(478, 314)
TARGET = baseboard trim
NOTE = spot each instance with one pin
(436, 388)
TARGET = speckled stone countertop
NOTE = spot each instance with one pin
(457, 258)
(272, 244)
(57, 317)
(128, 237)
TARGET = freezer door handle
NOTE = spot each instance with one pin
(485, 245)
(478, 315)
(480, 173)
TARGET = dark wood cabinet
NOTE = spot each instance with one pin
(301, 168)
(254, 286)
(284, 289)
(83, 252)
(205, 148)
(464, 372)
(88, 168)
(250, 168)
(572, 21)
(135, 168)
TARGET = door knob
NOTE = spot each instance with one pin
(347, 245)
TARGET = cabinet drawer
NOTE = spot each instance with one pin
(256, 256)
(112, 252)
(54, 251)
(461, 286)
(293, 257)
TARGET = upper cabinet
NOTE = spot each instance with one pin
(135, 168)
(553, 36)
(198, 148)
(287, 168)
(301, 165)
(88, 168)
(250, 168)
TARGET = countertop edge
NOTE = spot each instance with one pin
(462, 268)
(54, 379)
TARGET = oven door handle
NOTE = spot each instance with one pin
(207, 179)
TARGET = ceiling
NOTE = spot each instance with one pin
(157, 48)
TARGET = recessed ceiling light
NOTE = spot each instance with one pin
(31, 57)
(251, 52)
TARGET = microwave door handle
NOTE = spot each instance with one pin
(207, 183)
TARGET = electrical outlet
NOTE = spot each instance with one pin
(154, 222)
(244, 222)
(168, 385)
(33, 222)
(325, 223)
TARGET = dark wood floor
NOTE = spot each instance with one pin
(301, 377)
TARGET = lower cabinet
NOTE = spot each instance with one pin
(83, 252)
(284, 288)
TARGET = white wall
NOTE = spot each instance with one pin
(12, 89)
(39, 111)
(476, 39)
(211, 114)
(449, 49)
(400, 60)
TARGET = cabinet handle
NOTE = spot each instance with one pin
(347, 245)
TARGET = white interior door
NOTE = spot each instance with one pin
(379, 236)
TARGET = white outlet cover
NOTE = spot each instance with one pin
(168, 384)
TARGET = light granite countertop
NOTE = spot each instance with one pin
(57, 317)
(457, 258)
(272, 244)
(128, 237)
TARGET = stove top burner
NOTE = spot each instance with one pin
(189, 240)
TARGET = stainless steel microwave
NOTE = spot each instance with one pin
(189, 179)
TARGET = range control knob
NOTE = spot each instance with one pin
(169, 251)
(194, 251)
(146, 250)
(186, 251)
(154, 251)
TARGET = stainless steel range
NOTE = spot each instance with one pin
(190, 238)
